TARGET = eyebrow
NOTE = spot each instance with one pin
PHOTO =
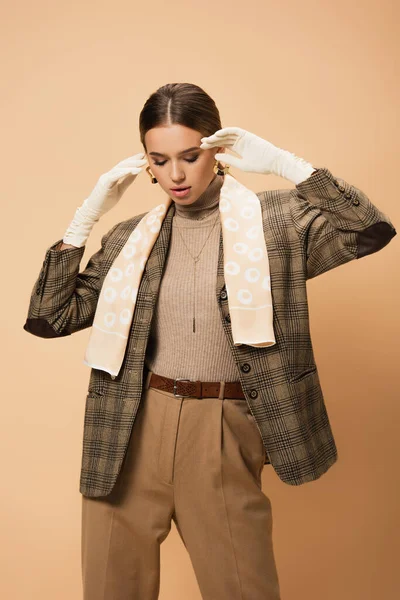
(180, 153)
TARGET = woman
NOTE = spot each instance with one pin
(185, 435)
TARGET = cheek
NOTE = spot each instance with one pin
(159, 173)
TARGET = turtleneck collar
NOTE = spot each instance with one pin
(205, 203)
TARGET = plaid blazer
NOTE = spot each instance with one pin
(322, 223)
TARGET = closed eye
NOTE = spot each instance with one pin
(189, 160)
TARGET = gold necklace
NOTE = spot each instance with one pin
(196, 258)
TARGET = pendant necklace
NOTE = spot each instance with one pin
(195, 259)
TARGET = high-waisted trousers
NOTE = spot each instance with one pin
(198, 462)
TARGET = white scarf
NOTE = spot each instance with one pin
(246, 274)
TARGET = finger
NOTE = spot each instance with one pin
(129, 166)
(215, 138)
(116, 174)
(228, 159)
(229, 131)
(212, 143)
(132, 161)
(130, 171)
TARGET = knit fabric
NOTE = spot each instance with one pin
(173, 350)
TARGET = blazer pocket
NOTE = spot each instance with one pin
(308, 372)
(96, 382)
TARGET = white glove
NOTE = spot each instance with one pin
(258, 155)
(105, 195)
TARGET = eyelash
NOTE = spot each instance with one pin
(189, 160)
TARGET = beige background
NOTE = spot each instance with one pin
(317, 78)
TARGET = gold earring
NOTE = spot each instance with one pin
(153, 179)
(220, 171)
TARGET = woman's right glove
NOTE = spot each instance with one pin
(105, 195)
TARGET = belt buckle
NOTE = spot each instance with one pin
(181, 395)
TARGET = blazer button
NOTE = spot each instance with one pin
(253, 394)
(356, 202)
(348, 195)
(228, 318)
(223, 295)
(246, 368)
(341, 188)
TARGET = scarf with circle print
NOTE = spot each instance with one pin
(246, 274)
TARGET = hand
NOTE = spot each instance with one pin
(111, 185)
(257, 155)
(105, 195)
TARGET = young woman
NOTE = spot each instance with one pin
(183, 428)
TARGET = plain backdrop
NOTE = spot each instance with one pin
(317, 78)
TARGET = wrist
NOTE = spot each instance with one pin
(80, 227)
(293, 168)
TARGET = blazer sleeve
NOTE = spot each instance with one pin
(336, 222)
(63, 300)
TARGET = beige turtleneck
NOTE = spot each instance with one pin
(173, 350)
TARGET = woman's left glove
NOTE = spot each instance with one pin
(257, 155)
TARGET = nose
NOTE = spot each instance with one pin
(177, 174)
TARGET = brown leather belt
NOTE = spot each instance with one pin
(184, 388)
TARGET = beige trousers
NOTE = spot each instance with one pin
(198, 462)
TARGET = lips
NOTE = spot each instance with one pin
(180, 188)
(180, 192)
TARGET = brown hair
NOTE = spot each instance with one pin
(180, 103)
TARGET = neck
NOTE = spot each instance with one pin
(205, 203)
